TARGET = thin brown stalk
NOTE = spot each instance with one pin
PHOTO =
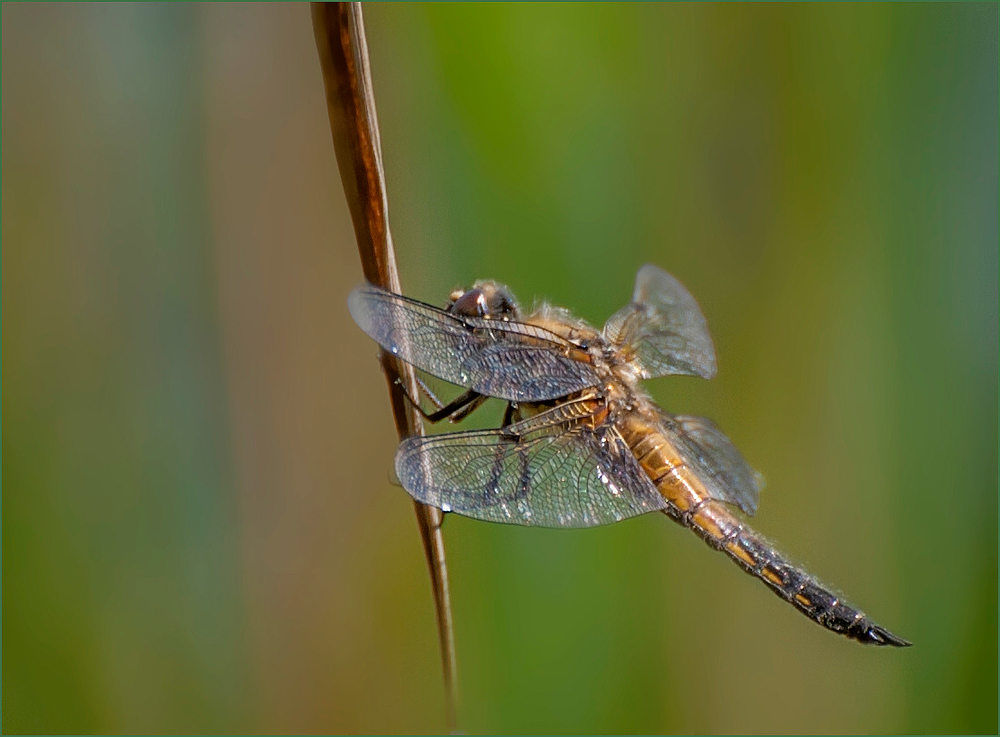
(343, 53)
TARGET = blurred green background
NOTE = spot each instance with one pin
(200, 532)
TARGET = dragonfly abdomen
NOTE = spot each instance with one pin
(793, 584)
(690, 504)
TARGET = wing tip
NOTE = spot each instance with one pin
(710, 369)
(356, 305)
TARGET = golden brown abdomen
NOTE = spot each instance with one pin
(691, 504)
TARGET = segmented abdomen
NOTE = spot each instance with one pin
(689, 503)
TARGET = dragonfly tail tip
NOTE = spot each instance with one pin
(875, 635)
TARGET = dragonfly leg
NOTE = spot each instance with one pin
(465, 406)
(508, 415)
(455, 411)
(426, 391)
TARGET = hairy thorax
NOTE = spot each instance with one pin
(619, 391)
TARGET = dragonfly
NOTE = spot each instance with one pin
(581, 444)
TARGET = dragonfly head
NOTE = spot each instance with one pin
(485, 299)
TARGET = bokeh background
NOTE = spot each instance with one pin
(200, 529)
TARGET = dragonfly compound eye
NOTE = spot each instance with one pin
(485, 299)
(500, 304)
(469, 304)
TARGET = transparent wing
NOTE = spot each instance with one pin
(663, 328)
(505, 359)
(542, 471)
(715, 460)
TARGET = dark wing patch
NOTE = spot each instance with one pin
(663, 328)
(510, 360)
(715, 460)
(542, 471)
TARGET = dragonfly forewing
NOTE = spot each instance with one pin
(507, 359)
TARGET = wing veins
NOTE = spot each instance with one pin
(512, 360)
(552, 469)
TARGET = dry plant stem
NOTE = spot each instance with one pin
(343, 52)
